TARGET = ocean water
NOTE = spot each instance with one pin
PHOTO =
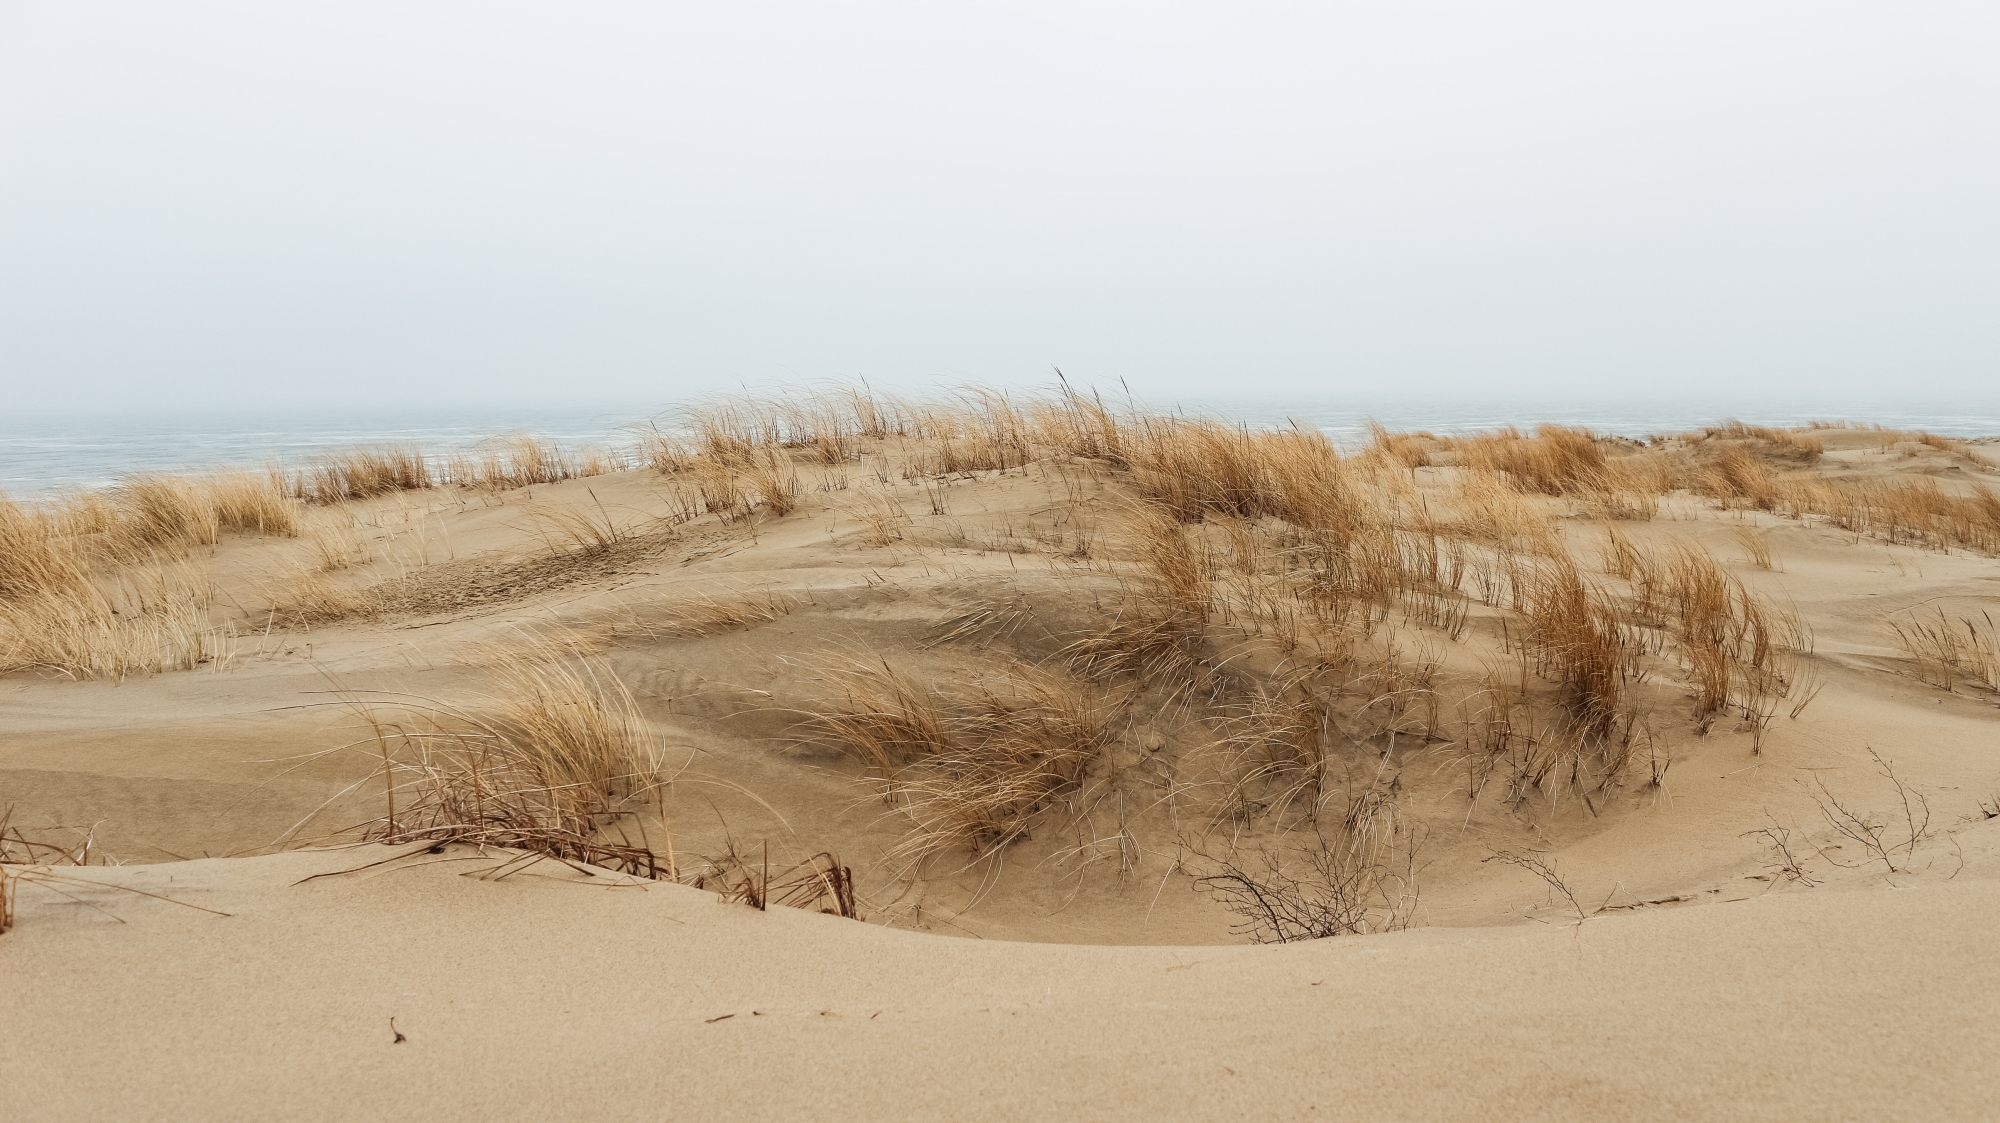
(49, 453)
(44, 454)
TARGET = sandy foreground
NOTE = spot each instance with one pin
(1678, 962)
(547, 995)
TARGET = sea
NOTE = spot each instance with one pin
(49, 453)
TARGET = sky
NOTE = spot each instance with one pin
(217, 205)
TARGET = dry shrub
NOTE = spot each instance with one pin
(557, 762)
(1505, 734)
(1874, 832)
(1948, 652)
(1353, 876)
(972, 767)
(820, 883)
(33, 860)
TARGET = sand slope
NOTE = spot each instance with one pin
(543, 997)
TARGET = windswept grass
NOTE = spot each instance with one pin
(1581, 643)
(972, 767)
(1947, 652)
(557, 761)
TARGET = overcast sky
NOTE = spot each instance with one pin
(209, 204)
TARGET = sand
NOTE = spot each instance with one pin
(543, 996)
(1083, 975)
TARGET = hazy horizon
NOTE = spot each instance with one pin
(213, 206)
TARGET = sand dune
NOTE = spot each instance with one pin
(1660, 777)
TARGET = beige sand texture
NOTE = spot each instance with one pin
(1160, 651)
(539, 997)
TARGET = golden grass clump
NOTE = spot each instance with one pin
(1737, 648)
(1735, 476)
(1410, 450)
(96, 585)
(1504, 734)
(1279, 745)
(1948, 652)
(518, 460)
(1755, 545)
(558, 761)
(1157, 634)
(42, 550)
(1204, 467)
(1073, 424)
(774, 481)
(1573, 463)
(364, 473)
(307, 595)
(1800, 446)
(507, 462)
(152, 512)
(1580, 642)
(136, 620)
(1948, 445)
(1557, 460)
(1912, 512)
(972, 767)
